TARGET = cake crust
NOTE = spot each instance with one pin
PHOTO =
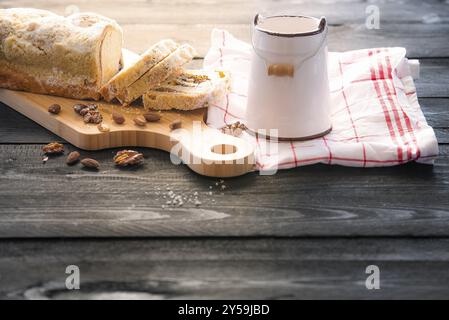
(46, 53)
(14, 79)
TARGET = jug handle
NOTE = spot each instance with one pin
(281, 70)
(321, 26)
(289, 69)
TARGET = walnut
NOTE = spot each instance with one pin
(88, 108)
(128, 157)
(90, 113)
(234, 129)
(78, 107)
(54, 108)
(93, 117)
(53, 148)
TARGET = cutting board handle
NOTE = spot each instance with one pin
(209, 152)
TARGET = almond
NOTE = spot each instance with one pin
(140, 121)
(118, 117)
(176, 124)
(152, 116)
(90, 163)
(72, 158)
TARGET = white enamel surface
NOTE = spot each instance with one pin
(297, 106)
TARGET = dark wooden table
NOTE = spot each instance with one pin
(309, 232)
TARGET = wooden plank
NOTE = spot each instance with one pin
(223, 269)
(288, 204)
(433, 79)
(63, 201)
(15, 128)
(414, 37)
(410, 24)
(436, 111)
(241, 12)
(442, 135)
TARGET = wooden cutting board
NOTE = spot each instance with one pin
(205, 150)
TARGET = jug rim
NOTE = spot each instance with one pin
(321, 26)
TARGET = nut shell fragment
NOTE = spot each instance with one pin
(102, 127)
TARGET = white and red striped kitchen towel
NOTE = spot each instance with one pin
(376, 117)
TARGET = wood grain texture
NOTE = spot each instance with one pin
(224, 269)
(434, 77)
(432, 83)
(409, 24)
(16, 128)
(294, 195)
(54, 200)
(240, 12)
(414, 37)
(63, 201)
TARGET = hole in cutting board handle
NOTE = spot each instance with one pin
(224, 149)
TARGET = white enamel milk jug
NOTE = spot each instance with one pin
(288, 86)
